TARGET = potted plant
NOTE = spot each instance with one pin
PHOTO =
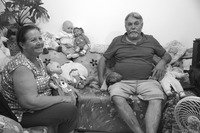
(21, 12)
(18, 13)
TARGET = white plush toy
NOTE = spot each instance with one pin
(5, 50)
(4, 53)
(49, 41)
(68, 66)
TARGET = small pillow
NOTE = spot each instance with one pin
(8, 125)
(70, 66)
(98, 48)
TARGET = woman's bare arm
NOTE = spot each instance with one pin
(26, 91)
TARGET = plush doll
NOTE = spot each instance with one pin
(49, 42)
(66, 40)
(66, 37)
(176, 49)
(79, 81)
(5, 56)
(5, 50)
(171, 80)
(81, 42)
(58, 83)
(112, 78)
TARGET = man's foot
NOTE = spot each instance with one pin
(168, 93)
(182, 94)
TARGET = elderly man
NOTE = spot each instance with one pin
(133, 55)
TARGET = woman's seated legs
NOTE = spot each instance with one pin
(62, 115)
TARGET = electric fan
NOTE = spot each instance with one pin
(187, 114)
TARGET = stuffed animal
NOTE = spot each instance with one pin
(79, 81)
(58, 83)
(5, 56)
(66, 37)
(5, 50)
(66, 40)
(81, 41)
(112, 78)
(49, 42)
(176, 49)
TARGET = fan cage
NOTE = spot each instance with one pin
(187, 114)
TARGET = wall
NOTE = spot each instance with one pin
(102, 20)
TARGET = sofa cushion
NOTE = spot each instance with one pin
(8, 125)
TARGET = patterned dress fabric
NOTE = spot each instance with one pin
(41, 77)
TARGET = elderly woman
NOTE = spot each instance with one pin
(25, 87)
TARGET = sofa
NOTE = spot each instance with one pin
(96, 111)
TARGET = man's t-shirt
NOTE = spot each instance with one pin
(134, 62)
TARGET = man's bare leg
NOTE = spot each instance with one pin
(127, 114)
(153, 115)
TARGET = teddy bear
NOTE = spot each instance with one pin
(58, 83)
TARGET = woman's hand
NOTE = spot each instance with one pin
(68, 99)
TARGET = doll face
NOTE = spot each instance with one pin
(77, 32)
(55, 67)
(173, 51)
(68, 27)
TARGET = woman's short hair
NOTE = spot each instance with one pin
(22, 32)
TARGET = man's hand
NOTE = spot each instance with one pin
(160, 69)
(159, 72)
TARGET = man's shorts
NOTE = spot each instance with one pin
(144, 89)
